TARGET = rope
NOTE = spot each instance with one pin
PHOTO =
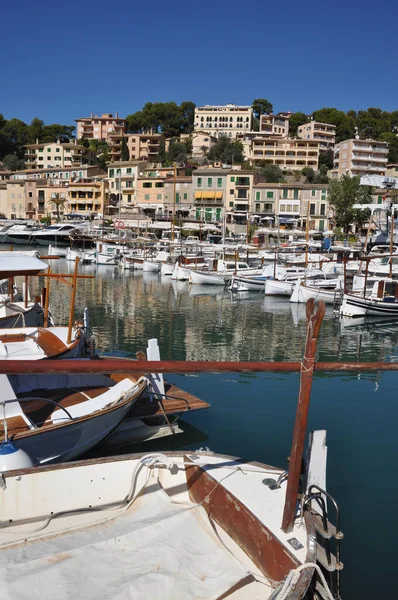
(293, 578)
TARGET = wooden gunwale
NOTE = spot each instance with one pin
(49, 427)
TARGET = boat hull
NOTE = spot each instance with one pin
(302, 293)
(355, 306)
(273, 287)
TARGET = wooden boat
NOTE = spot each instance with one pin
(383, 301)
(59, 417)
(302, 293)
(275, 287)
(240, 283)
(197, 525)
(36, 343)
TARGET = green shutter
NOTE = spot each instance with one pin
(379, 199)
(257, 195)
(270, 194)
(185, 196)
(219, 182)
(199, 181)
(177, 198)
(321, 225)
(232, 179)
(295, 194)
(284, 194)
(218, 214)
(313, 193)
(231, 203)
(209, 181)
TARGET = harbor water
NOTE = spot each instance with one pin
(252, 415)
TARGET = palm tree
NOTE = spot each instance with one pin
(58, 203)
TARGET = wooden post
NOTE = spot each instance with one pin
(47, 299)
(391, 238)
(365, 283)
(26, 291)
(72, 301)
(300, 426)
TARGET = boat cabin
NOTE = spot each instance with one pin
(386, 290)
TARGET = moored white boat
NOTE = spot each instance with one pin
(275, 287)
(302, 292)
(382, 302)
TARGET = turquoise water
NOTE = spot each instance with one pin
(252, 415)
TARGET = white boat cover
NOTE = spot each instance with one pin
(157, 549)
(14, 263)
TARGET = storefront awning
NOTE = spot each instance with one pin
(208, 195)
(218, 194)
(241, 202)
(198, 194)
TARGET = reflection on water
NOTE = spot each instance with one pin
(252, 414)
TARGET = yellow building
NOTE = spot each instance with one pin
(99, 127)
(324, 133)
(288, 153)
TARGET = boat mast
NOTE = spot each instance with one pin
(314, 321)
(391, 238)
(174, 200)
(72, 301)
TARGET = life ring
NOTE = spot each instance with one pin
(118, 224)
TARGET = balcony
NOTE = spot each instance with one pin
(369, 158)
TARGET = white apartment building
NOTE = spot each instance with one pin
(47, 156)
(275, 125)
(360, 157)
(324, 133)
(122, 178)
(226, 120)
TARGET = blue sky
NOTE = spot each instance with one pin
(61, 62)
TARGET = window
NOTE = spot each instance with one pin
(257, 209)
(30, 195)
(231, 191)
(282, 208)
(146, 196)
(219, 182)
(270, 194)
(57, 150)
(147, 184)
(158, 196)
(199, 182)
(74, 194)
(128, 197)
(313, 193)
(209, 181)
(284, 194)
(323, 207)
(268, 207)
(48, 149)
(257, 198)
(185, 196)
(40, 149)
(312, 209)
(324, 194)
(232, 179)
(231, 203)
(177, 198)
(111, 172)
(128, 170)
(379, 199)
(41, 195)
(118, 172)
(159, 184)
(295, 194)
(289, 208)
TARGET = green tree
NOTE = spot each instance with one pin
(326, 160)
(16, 134)
(13, 163)
(124, 151)
(35, 130)
(296, 119)
(188, 114)
(392, 140)
(226, 151)
(58, 203)
(135, 122)
(261, 106)
(309, 174)
(342, 196)
(272, 173)
(177, 152)
(54, 132)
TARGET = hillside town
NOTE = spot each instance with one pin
(269, 175)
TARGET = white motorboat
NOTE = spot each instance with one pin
(86, 257)
(57, 251)
(199, 277)
(167, 268)
(59, 234)
(240, 283)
